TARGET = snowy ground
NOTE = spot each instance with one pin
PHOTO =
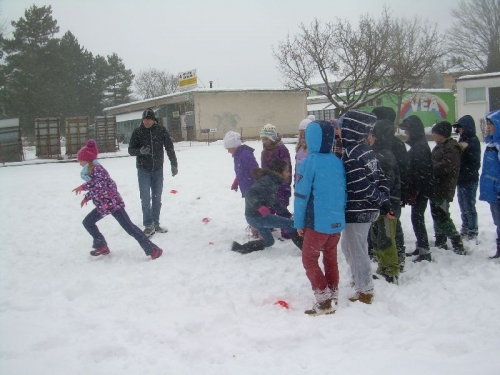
(202, 309)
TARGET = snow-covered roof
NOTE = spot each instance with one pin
(478, 76)
(181, 93)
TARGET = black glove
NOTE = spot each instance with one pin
(174, 170)
(144, 150)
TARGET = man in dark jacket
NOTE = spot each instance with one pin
(468, 177)
(421, 183)
(446, 165)
(147, 143)
(399, 151)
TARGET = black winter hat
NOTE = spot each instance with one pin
(385, 113)
(149, 114)
(442, 128)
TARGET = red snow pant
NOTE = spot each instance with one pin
(313, 242)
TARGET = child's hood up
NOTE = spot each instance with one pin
(319, 137)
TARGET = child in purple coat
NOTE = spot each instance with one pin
(102, 190)
(244, 161)
(273, 149)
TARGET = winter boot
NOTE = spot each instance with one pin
(413, 253)
(321, 308)
(458, 245)
(157, 252)
(427, 257)
(497, 255)
(441, 242)
(149, 230)
(248, 247)
(100, 251)
(160, 229)
(362, 297)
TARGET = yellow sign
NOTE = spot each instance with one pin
(188, 81)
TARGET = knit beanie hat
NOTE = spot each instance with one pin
(442, 128)
(88, 152)
(303, 124)
(269, 131)
(149, 114)
(232, 139)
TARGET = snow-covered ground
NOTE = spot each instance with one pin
(202, 309)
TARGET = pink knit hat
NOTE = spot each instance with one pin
(88, 152)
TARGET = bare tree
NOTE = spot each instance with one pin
(356, 65)
(153, 82)
(475, 35)
(350, 63)
(416, 48)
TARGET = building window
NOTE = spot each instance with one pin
(475, 94)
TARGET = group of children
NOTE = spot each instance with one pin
(356, 192)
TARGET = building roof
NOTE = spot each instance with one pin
(478, 76)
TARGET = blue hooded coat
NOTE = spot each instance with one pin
(320, 190)
(489, 183)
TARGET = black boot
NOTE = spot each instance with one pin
(497, 255)
(412, 254)
(458, 245)
(441, 242)
(422, 257)
(248, 247)
(296, 239)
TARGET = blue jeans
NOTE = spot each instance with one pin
(466, 194)
(495, 214)
(124, 220)
(264, 225)
(150, 189)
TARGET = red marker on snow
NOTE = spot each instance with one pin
(282, 304)
(211, 243)
(206, 220)
(173, 191)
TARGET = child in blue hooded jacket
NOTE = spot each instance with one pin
(319, 213)
(489, 182)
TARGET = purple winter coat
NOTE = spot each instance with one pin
(280, 151)
(103, 192)
(244, 163)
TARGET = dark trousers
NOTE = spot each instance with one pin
(466, 194)
(443, 224)
(123, 219)
(418, 222)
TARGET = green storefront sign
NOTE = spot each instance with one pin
(431, 106)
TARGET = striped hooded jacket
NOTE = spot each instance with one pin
(367, 187)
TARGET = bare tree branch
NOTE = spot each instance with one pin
(153, 82)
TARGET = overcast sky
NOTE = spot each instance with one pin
(228, 41)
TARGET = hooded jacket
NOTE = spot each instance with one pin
(383, 131)
(367, 188)
(421, 180)
(156, 137)
(471, 151)
(489, 182)
(244, 163)
(263, 193)
(446, 166)
(320, 190)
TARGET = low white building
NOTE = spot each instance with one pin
(477, 95)
(201, 113)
